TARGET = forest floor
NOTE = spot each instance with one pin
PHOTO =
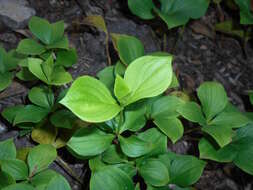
(200, 54)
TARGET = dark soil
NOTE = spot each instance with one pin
(200, 55)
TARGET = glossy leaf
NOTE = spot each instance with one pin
(90, 100)
(134, 146)
(171, 126)
(213, 98)
(63, 119)
(66, 58)
(5, 80)
(166, 106)
(10, 113)
(192, 112)
(41, 96)
(16, 168)
(129, 48)
(178, 12)
(6, 179)
(134, 117)
(141, 8)
(148, 76)
(19, 186)
(184, 170)
(30, 113)
(109, 177)
(90, 142)
(30, 47)
(157, 138)
(121, 89)
(113, 155)
(40, 157)
(7, 149)
(154, 172)
(58, 182)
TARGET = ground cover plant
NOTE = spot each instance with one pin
(120, 121)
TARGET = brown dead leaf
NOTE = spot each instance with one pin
(200, 28)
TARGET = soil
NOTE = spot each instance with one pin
(200, 55)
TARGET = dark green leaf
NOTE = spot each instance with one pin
(6, 179)
(109, 178)
(90, 142)
(7, 149)
(19, 186)
(16, 168)
(30, 47)
(141, 8)
(66, 58)
(5, 80)
(58, 182)
(40, 157)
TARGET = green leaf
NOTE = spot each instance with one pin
(129, 48)
(66, 58)
(41, 96)
(148, 76)
(178, 12)
(25, 75)
(166, 106)
(19, 186)
(16, 168)
(213, 98)
(60, 76)
(129, 168)
(113, 155)
(134, 146)
(35, 67)
(10, 113)
(40, 157)
(192, 112)
(63, 119)
(43, 178)
(30, 113)
(3, 55)
(90, 100)
(45, 134)
(231, 119)
(6, 179)
(90, 142)
(5, 80)
(134, 117)
(154, 172)
(171, 126)
(246, 16)
(106, 76)
(41, 29)
(58, 183)
(109, 177)
(30, 47)
(157, 138)
(62, 44)
(47, 73)
(46, 32)
(7, 149)
(208, 151)
(142, 8)
(120, 69)
(184, 170)
(121, 89)
(221, 134)
(239, 150)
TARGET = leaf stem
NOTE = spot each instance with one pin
(66, 167)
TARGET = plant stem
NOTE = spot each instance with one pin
(107, 49)
(66, 167)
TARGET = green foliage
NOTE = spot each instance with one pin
(173, 12)
(30, 173)
(245, 11)
(216, 116)
(131, 109)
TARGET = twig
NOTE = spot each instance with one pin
(66, 167)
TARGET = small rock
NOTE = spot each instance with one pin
(15, 13)
(3, 128)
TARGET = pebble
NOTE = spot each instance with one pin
(15, 13)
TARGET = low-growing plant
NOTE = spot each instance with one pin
(173, 12)
(121, 121)
(27, 168)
